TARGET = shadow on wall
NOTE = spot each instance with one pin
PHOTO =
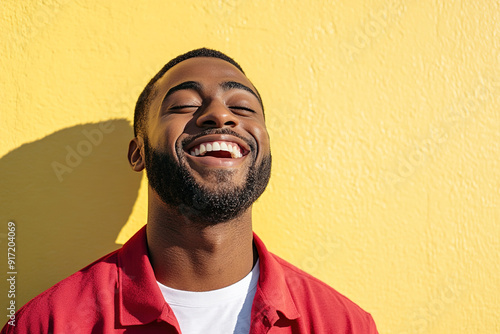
(69, 195)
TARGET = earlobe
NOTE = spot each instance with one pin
(135, 154)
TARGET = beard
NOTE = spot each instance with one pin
(177, 187)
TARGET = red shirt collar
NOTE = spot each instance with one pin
(141, 301)
(272, 299)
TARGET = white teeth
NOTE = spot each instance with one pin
(216, 146)
(235, 152)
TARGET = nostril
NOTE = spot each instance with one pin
(209, 123)
(216, 117)
(214, 123)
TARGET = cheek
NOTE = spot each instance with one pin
(261, 136)
(165, 136)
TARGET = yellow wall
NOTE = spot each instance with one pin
(384, 121)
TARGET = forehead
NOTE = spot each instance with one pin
(204, 70)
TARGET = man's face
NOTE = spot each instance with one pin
(207, 148)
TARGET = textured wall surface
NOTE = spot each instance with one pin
(384, 117)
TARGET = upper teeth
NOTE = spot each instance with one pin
(202, 149)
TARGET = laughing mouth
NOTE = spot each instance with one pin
(219, 149)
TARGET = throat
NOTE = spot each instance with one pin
(205, 259)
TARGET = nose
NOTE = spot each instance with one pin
(216, 115)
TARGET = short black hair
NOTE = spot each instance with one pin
(142, 105)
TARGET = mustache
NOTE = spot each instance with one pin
(218, 131)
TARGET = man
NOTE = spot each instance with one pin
(196, 267)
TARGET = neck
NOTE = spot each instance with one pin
(196, 257)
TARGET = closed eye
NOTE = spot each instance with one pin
(242, 108)
(184, 107)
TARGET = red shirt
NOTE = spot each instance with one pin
(119, 294)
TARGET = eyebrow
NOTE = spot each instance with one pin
(227, 85)
(188, 85)
(196, 86)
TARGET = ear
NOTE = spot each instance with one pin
(136, 154)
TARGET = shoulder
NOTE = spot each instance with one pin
(301, 283)
(88, 281)
(319, 303)
(77, 296)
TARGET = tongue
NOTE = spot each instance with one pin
(218, 154)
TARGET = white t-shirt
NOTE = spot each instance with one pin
(221, 311)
